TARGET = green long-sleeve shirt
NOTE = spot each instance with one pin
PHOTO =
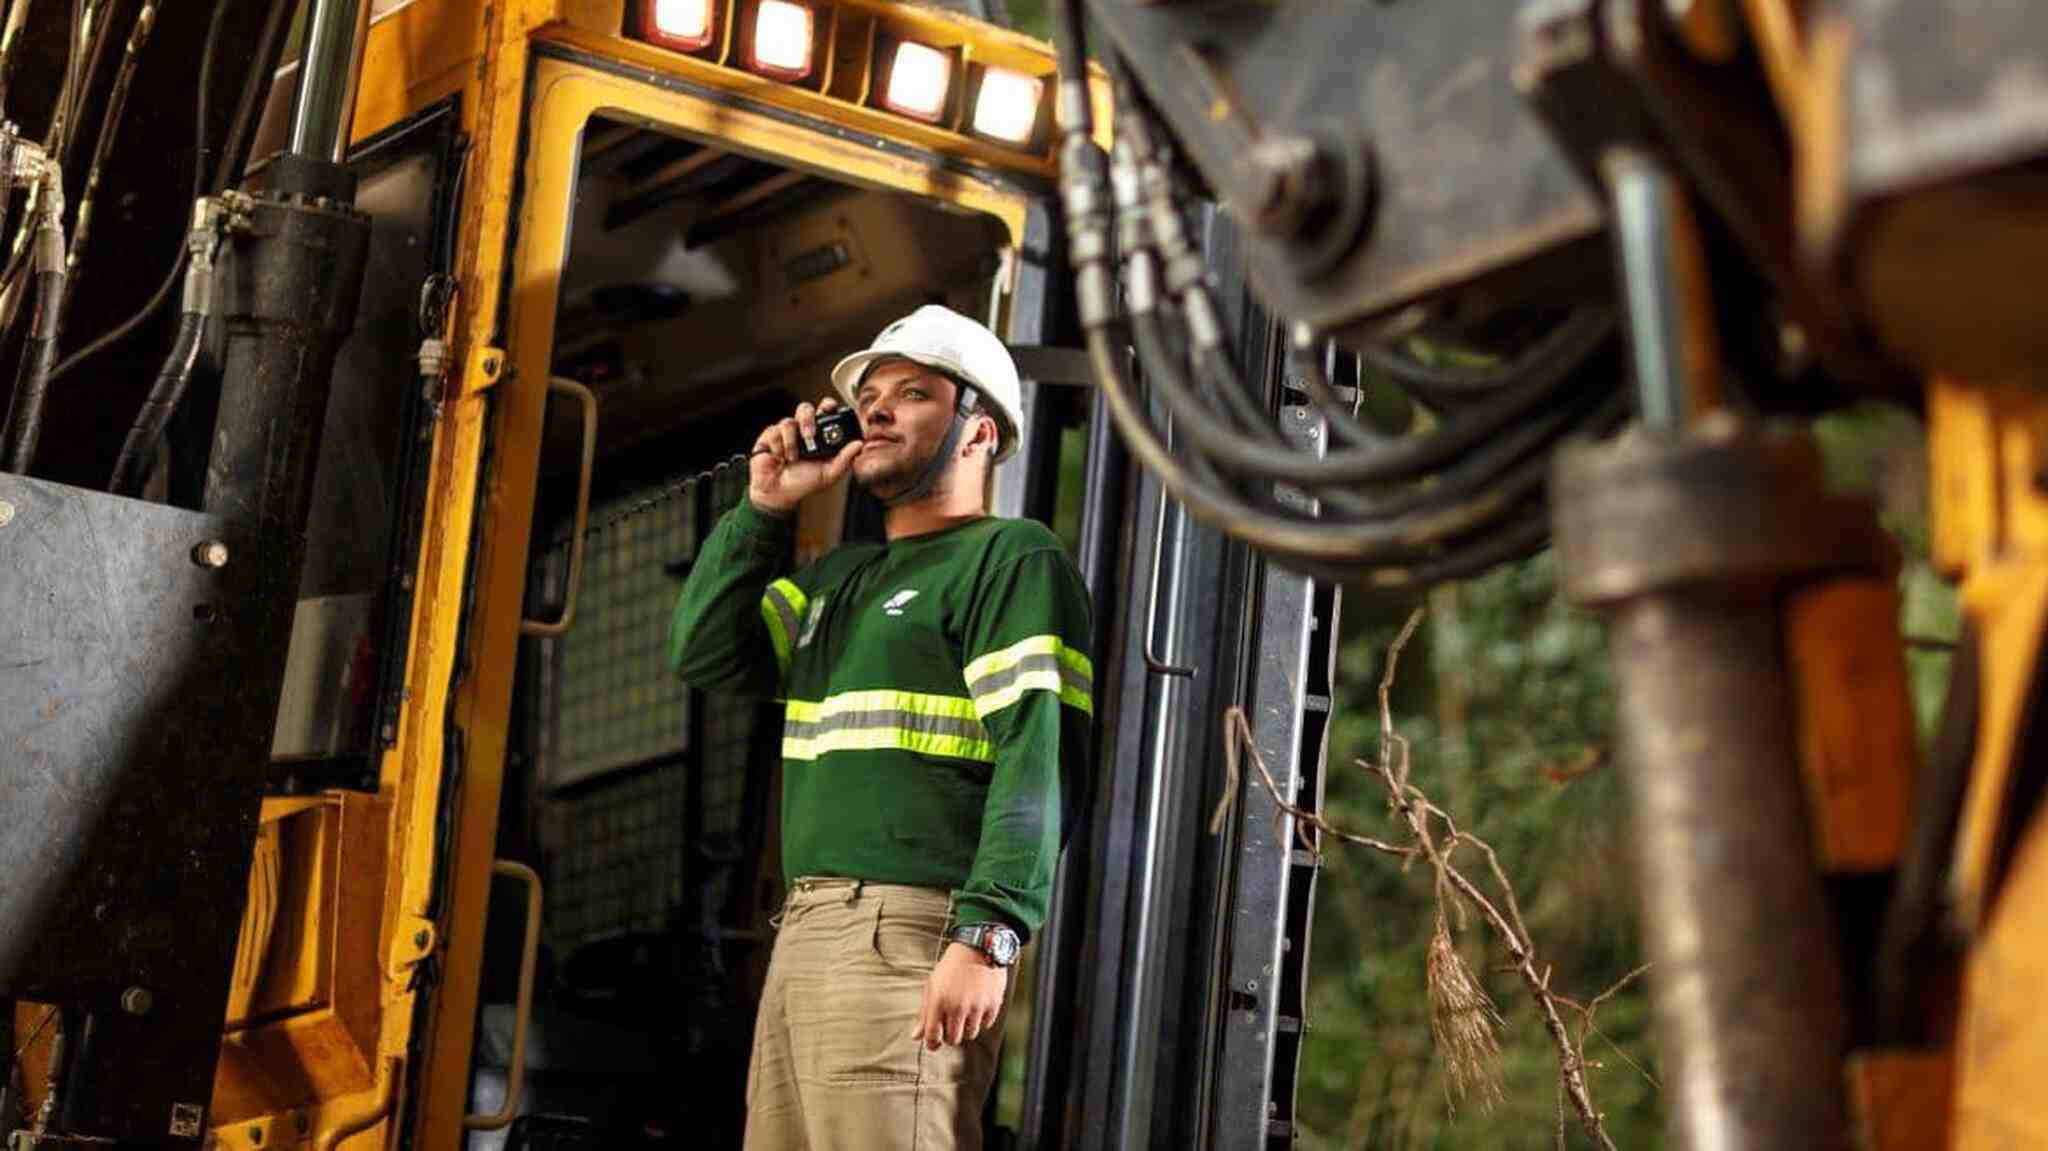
(938, 696)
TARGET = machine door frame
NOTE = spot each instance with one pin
(565, 88)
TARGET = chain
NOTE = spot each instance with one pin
(671, 488)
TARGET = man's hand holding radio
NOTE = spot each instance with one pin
(778, 477)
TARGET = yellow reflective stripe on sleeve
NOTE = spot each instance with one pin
(1009, 657)
(941, 725)
(782, 608)
(1041, 663)
(1046, 680)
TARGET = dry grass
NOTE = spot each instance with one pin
(1464, 1021)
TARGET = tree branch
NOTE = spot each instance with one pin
(1423, 819)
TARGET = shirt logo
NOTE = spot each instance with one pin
(899, 601)
(811, 618)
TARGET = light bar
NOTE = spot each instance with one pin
(781, 45)
(1006, 108)
(919, 78)
(684, 25)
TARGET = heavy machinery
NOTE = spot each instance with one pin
(361, 620)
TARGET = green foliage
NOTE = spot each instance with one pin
(1505, 700)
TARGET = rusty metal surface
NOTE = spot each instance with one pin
(134, 723)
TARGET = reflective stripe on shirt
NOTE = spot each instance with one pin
(941, 725)
(1041, 663)
(782, 608)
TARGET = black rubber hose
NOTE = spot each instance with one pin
(233, 161)
(32, 378)
(95, 55)
(1155, 354)
(1404, 459)
(1341, 417)
(110, 126)
(241, 138)
(131, 468)
(1149, 332)
(1443, 388)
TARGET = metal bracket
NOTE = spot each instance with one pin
(419, 938)
(485, 368)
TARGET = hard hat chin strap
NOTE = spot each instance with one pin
(928, 479)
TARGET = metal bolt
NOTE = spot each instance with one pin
(390, 732)
(211, 554)
(419, 939)
(6, 513)
(491, 365)
(137, 1001)
(256, 1135)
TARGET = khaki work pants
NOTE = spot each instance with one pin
(834, 1067)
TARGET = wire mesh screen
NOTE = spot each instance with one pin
(614, 701)
(621, 867)
(617, 726)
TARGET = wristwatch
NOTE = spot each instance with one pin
(994, 940)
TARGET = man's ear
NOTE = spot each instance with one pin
(985, 433)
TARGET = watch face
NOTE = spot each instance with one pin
(1002, 945)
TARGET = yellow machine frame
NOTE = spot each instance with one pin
(370, 939)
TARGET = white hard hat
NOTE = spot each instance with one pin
(944, 340)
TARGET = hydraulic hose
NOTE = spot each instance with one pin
(226, 173)
(110, 124)
(210, 217)
(1450, 387)
(1459, 498)
(95, 51)
(130, 468)
(39, 352)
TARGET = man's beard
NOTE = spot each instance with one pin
(899, 476)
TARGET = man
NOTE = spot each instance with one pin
(937, 692)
